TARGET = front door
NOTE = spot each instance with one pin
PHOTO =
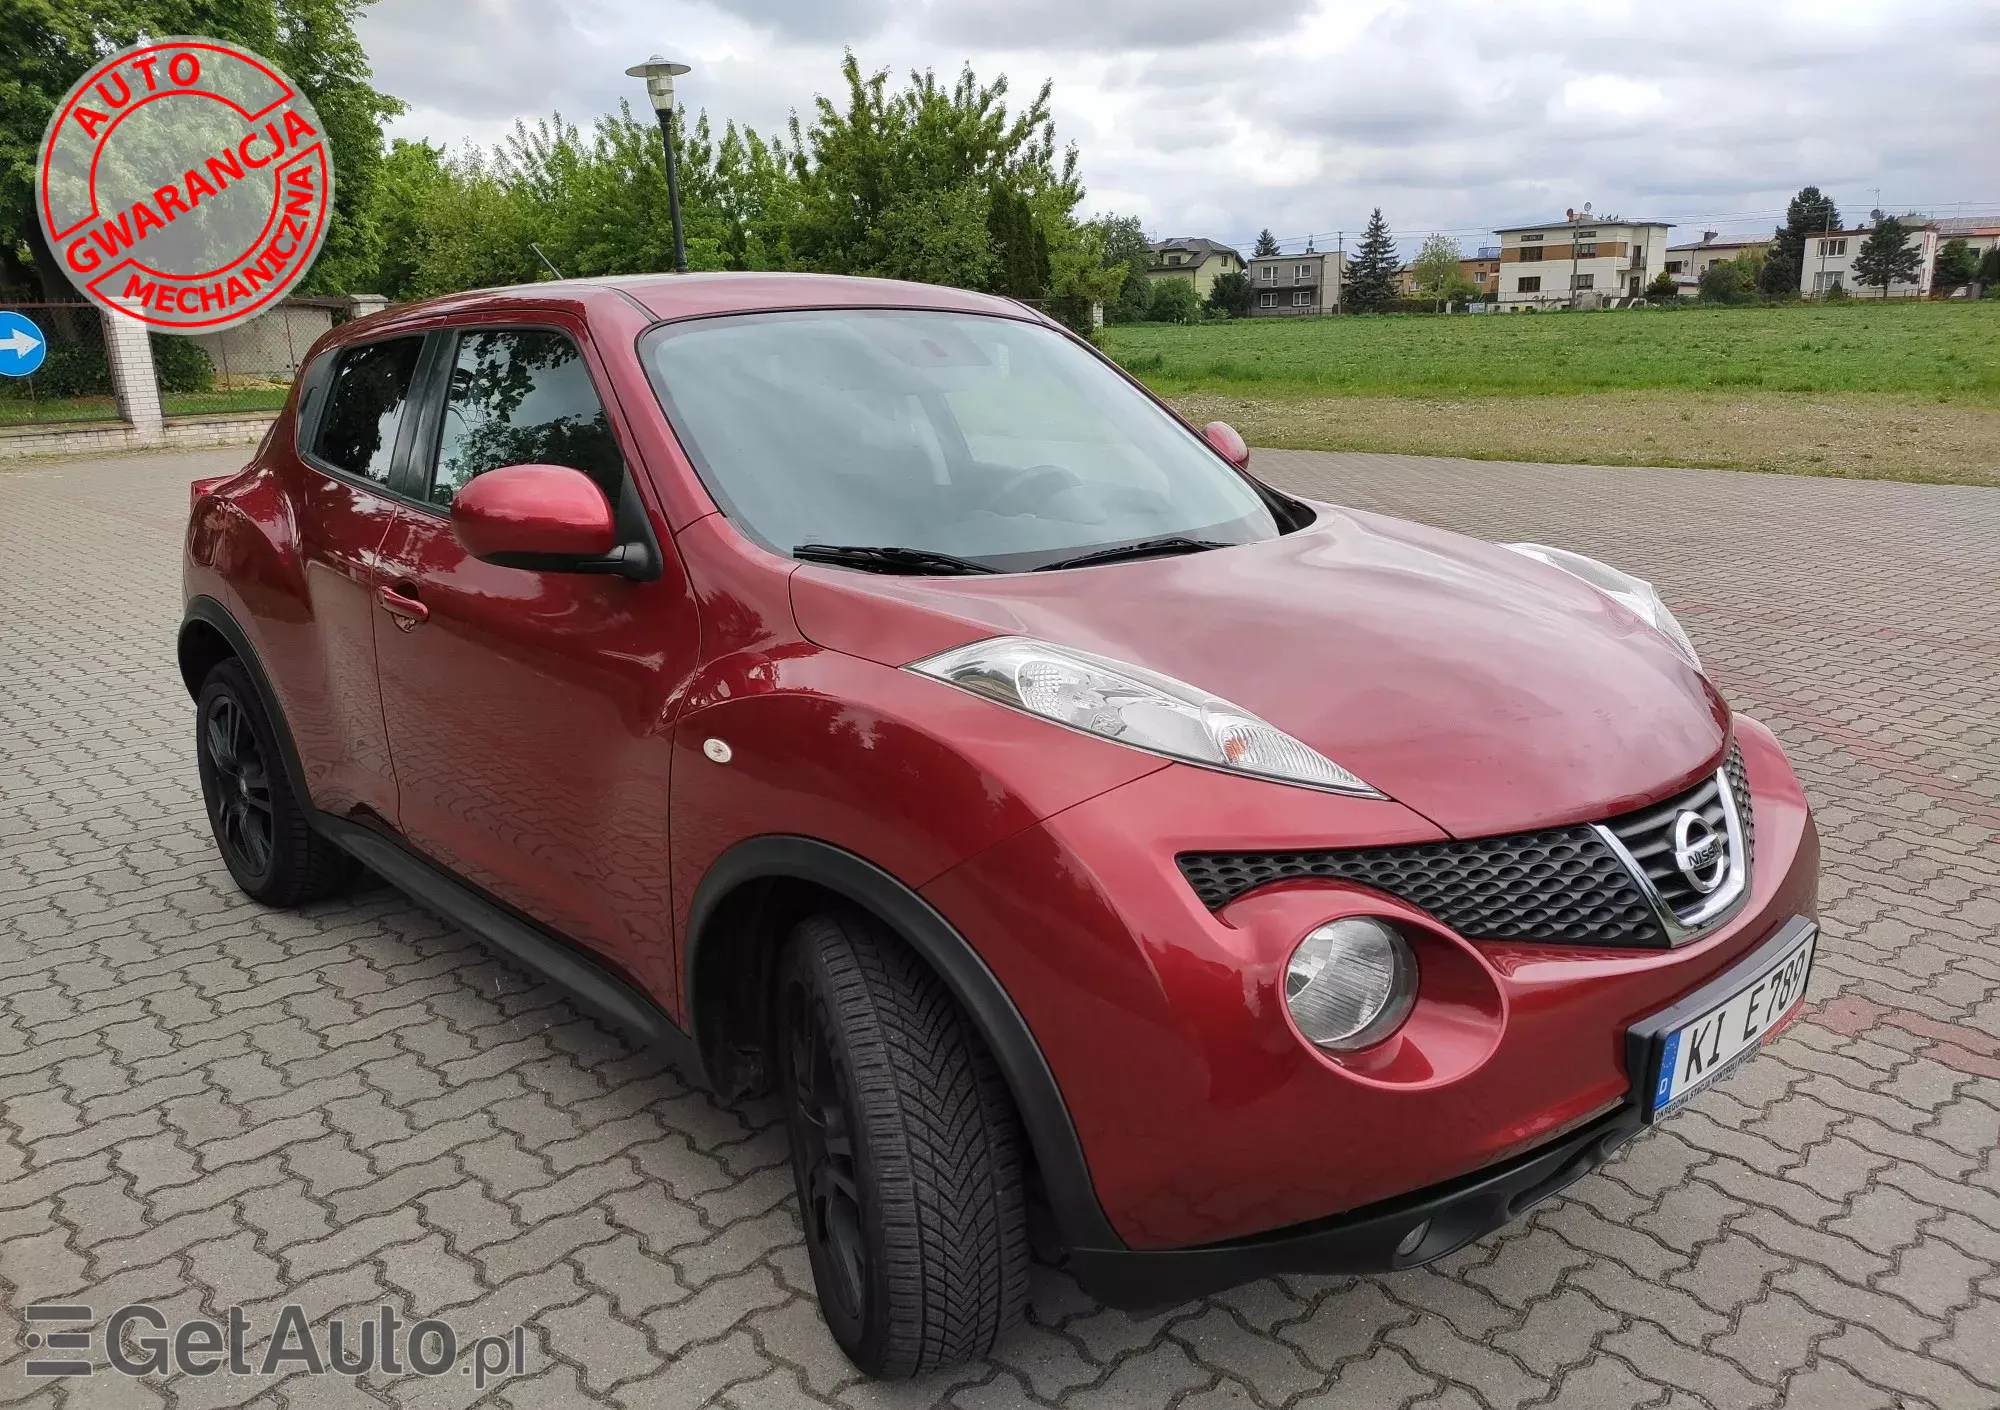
(528, 712)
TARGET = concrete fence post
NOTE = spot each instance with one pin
(130, 355)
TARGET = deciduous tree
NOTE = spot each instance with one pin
(50, 44)
(1436, 269)
(1125, 248)
(1231, 293)
(1726, 282)
(1174, 301)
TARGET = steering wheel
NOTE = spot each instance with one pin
(1016, 494)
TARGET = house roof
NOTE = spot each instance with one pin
(1910, 227)
(1721, 244)
(1599, 221)
(1199, 248)
(1967, 225)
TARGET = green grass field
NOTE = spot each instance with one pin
(18, 409)
(1930, 351)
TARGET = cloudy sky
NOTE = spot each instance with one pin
(1206, 118)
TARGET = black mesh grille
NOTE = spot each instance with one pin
(1562, 885)
(1739, 787)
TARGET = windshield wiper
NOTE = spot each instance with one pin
(888, 559)
(1144, 548)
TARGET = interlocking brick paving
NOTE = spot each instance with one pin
(204, 1103)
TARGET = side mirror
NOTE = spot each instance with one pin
(549, 517)
(1224, 439)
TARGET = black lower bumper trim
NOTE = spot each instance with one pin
(1404, 1232)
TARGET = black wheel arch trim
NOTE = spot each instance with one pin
(206, 611)
(1080, 1219)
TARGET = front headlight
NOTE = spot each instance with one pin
(1634, 593)
(1134, 706)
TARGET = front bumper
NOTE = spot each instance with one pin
(1205, 1121)
(1404, 1232)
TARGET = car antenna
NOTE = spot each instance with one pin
(545, 259)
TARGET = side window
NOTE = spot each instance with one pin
(365, 401)
(522, 396)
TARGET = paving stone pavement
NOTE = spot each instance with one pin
(204, 1103)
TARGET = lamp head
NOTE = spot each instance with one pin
(659, 73)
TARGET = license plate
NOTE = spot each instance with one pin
(1709, 1034)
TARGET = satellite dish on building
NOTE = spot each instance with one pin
(1586, 208)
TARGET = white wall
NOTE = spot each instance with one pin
(1610, 275)
(1819, 269)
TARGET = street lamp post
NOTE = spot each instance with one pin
(660, 74)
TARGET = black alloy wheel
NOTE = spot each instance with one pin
(262, 829)
(828, 1190)
(906, 1152)
(239, 803)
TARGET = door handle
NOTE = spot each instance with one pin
(406, 610)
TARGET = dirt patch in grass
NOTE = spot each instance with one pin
(1856, 437)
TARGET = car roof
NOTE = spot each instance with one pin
(670, 296)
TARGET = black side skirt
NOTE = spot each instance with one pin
(595, 988)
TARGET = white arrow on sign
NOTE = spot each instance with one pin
(20, 342)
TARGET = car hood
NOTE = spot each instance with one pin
(1483, 689)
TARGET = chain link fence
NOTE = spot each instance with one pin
(74, 381)
(248, 368)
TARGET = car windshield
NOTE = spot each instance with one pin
(991, 440)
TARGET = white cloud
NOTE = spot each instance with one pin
(1302, 115)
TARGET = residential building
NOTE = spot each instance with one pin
(1198, 261)
(1829, 262)
(1980, 235)
(1687, 263)
(1294, 286)
(1582, 261)
(1483, 271)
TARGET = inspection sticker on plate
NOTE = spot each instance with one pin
(1696, 1049)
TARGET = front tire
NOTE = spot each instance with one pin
(261, 827)
(906, 1150)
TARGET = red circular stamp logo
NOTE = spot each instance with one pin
(185, 182)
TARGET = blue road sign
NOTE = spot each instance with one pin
(22, 346)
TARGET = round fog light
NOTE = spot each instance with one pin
(1350, 983)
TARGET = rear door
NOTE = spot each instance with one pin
(528, 712)
(356, 427)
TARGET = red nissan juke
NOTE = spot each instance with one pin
(868, 691)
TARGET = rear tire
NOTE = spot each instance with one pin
(261, 828)
(906, 1150)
